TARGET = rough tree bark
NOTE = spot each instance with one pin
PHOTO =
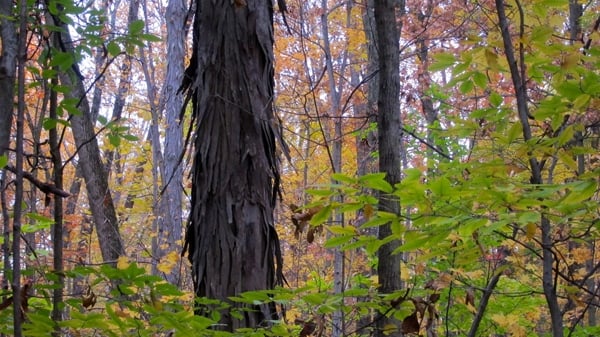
(231, 238)
(389, 128)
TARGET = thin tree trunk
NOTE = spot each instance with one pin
(170, 224)
(18, 314)
(367, 143)
(389, 129)
(517, 72)
(8, 68)
(336, 156)
(57, 229)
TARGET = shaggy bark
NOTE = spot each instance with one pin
(231, 238)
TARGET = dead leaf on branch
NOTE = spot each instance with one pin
(411, 324)
(89, 298)
(308, 327)
(470, 297)
(300, 220)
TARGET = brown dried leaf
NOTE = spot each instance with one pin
(470, 297)
(310, 237)
(307, 329)
(410, 324)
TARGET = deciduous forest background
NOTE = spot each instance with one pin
(491, 212)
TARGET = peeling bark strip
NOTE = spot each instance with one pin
(231, 238)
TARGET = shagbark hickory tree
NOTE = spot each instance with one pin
(231, 238)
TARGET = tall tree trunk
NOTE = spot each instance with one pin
(231, 237)
(57, 227)
(336, 158)
(389, 128)
(367, 142)
(517, 72)
(170, 225)
(96, 180)
(8, 68)
(17, 208)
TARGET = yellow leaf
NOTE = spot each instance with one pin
(389, 329)
(530, 229)
(122, 263)
(581, 254)
(491, 59)
(169, 262)
(368, 211)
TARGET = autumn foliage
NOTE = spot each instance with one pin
(499, 191)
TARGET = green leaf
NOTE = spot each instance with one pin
(49, 123)
(343, 178)
(3, 161)
(62, 60)
(569, 90)
(342, 230)
(529, 217)
(321, 216)
(136, 27)
(338, 241)
(39, 222)
(102, 120)
(150, 37)
(580, 191)
(466, 87)
(466, 230)
(377, 182)
(315, 298)
(480, 80)
(495, 99)
(131, 138)
(441, 187)
(581, 101)
(514, 132)
(442, 61)
(565, 136)
(114, 140)
(113, 48)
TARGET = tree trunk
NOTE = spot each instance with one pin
(335, 141)
(96, 181)
(8, 68)
(389, 128)
(517, 72)
(57, 227)
(170, 224)
(18, 314)
(231, 238)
